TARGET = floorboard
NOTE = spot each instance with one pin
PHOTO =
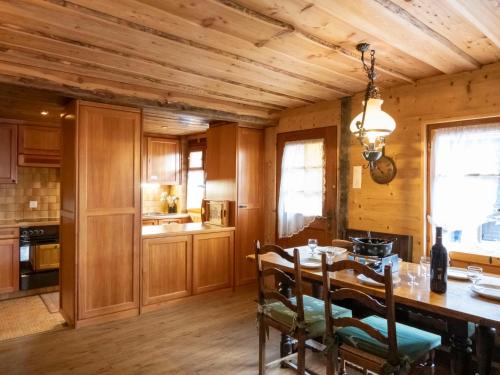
(208, 334)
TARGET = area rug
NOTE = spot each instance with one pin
(26, 316)
(51, 301)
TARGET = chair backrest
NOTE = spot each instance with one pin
(342, 243)
(265, 293)
(386, 310)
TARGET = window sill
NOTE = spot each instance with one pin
(488, 258)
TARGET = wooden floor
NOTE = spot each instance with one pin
(207, 334)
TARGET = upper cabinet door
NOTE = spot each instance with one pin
(39, 146)
(164, 161)
(8, 153)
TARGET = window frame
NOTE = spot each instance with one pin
(201, 146)
(479, 255)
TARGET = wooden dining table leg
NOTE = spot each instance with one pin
(461, 352)
(485, 343)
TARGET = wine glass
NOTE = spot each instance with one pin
(313, 244)
(474, 273)
(425, 266)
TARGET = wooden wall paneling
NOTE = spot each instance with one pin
(213, 261)
(8, 153)
(399, 207)
(9, 263)
(166, 268)
(109, 209)
(250, 200)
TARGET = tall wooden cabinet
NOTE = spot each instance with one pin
(8, 153)
(100, 218)
(234, 166)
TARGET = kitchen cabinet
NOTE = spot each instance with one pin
(163, 157)
(212, 261)
(182, 260)
(8, 153)
(39, 146)
(167, 271)
(235, 161)
(181, 220)
(101, 202)
(9, 260)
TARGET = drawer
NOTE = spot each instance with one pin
(9, 233)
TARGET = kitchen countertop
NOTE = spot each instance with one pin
(28, 222)
(166, 230)
(164, 216)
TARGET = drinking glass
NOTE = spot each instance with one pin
(474, 273)
(330, 256)
(425, 266)
(412, 275)
(313, 244)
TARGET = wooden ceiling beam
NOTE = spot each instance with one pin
(483, 15)
(171, 37)
(395, 26)
(14, 54)
(352, 55)
(410, 19)
(65, 47)
(90, 88)
(45, 17)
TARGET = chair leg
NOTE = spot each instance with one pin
(342, 366)
(330, 362)
(301, 355)
(262, 348)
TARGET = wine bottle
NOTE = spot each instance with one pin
(439, 264)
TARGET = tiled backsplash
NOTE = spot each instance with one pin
(40, 184)
(151, 197)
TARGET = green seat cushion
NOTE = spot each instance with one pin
(413, 343)
(314, 314)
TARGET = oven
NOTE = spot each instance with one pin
(39, 255)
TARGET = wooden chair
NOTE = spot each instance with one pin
(376, 343)
(299, 316)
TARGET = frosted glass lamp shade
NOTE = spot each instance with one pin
(377, 122)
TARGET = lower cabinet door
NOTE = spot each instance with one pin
(9, 265)
(213, 261)
(167, 268)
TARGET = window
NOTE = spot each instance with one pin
(302, 186)
(465, 186)
(195, 180)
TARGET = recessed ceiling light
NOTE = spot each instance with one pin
(164, 127)
(44, 113)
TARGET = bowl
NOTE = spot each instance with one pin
(379, 247)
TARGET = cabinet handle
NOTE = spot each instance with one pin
(242, 206)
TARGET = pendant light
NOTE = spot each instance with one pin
(372, 125)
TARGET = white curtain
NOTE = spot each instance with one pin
(465, 168)
(302, 186)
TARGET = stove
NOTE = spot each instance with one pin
(375, 262)
(39, 255)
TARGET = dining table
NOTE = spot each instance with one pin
(457, 309)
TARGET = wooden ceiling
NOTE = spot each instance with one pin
(244, 60)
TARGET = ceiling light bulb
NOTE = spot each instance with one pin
(44, 113)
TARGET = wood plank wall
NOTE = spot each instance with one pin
(398, 207)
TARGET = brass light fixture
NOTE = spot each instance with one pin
(372, 125)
